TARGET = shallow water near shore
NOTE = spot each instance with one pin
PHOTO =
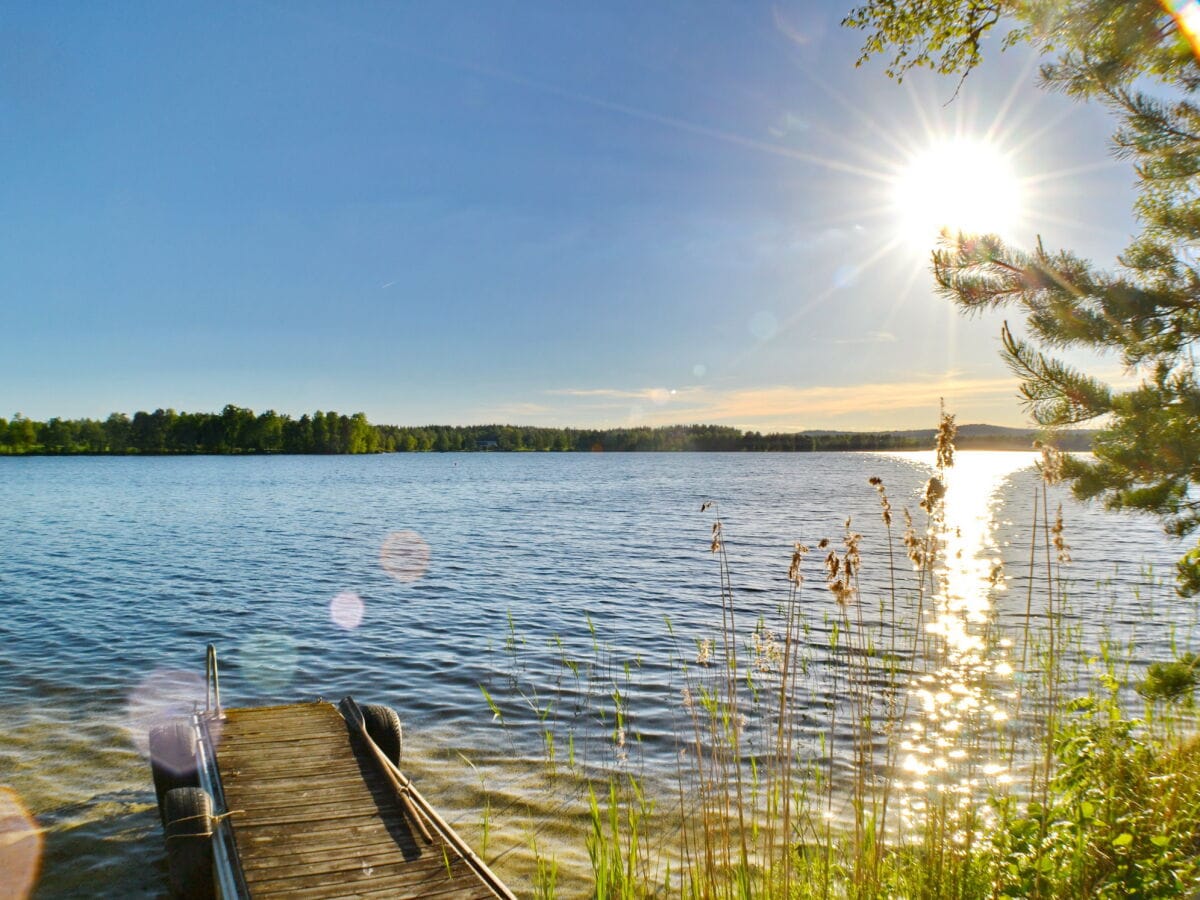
(413, 580)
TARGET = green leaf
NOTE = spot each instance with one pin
(1087, 809)
(1123, 840)
(1160, 840)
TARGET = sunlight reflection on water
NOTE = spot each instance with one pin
(957, 699)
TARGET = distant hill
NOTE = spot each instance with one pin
(979, 437)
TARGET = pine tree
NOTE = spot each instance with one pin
(1136, 59)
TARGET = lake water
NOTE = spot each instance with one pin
(414, 579)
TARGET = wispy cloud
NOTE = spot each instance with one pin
(907, 404)
(610, 393)
(823, 238)
(514, 413)
(658, 396)
(786, 28)
(787, 125)
(847, 401)
(871, 337)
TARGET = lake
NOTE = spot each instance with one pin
(413, 579)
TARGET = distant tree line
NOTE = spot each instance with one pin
(239, 430)
(164, 431)
(671, 437)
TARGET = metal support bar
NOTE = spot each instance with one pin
(226, 865)
(212, 682)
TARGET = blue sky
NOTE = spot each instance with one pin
(553, 214)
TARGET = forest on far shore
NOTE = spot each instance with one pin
(237, 430)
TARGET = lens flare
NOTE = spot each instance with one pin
(404, 555)
(173, 748)
(845, 276)
(268, 661)
(20, 848)
(164, 694)
(1186, 14)
(346, 610)
(763, 325)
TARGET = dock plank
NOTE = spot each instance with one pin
(391, 880)
(314, 816)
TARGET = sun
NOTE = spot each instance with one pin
(959, 184)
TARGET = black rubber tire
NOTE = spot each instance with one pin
(383, 725)
(188, 813)
(172, 760)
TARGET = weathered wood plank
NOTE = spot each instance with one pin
(476, 891)
(309, 874)
(306, 790)
(277, 755)
(257, 744)
(400, 877)
(301, 797)
(286, 854)
(269, 771)
(325, 834)
(314, 817)
(285, 784)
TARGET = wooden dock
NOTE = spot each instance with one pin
(314, 814)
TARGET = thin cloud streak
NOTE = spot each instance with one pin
(609, 393)
(898, 405)
(871, 337)
(849, 400)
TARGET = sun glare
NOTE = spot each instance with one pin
(960, 185)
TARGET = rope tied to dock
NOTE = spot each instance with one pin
(214, 819)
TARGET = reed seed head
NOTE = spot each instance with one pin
(794, 575)
(945, 439)
(885, 505)
(1051, 464)
(913, 545)
(935, 490)
(767, 653)
(1060, 545)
